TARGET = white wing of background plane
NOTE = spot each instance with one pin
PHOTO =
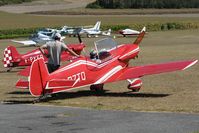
(26, 43)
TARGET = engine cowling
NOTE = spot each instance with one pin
(135, 85)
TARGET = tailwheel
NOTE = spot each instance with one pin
(9, 69)
(99, 88)
(42, 98)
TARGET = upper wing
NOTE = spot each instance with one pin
(139, 71)
(27, 42)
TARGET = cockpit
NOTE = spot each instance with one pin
(103, 49)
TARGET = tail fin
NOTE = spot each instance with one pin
(107, 33)
(38, 77)
(140, 36)
(97, 25)
(10, 55)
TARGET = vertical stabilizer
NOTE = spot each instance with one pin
(38, 77)
(97, 25)
(140, 36)
(11, 55)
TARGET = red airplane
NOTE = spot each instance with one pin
(13, 59)
(108, 63)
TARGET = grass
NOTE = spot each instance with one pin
(13, 21)
(172, 92)
(87, 11)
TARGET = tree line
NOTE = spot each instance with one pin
(144, 4)
(6, 2)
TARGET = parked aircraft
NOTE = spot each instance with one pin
(128, 32)
(12, 58)
(108, 63)
(41, 37)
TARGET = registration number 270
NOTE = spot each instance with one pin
(81, 76)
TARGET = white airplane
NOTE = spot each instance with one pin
(129, 32)
(94, 31)
(107, 33)
(38, 38)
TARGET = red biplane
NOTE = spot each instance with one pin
(108, 63)
(13, 59)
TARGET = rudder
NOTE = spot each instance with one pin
(140, 36)
(10, 54)
(38, 77)
(97, 25)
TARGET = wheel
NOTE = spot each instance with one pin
(9, 70)
(97, 88)
(136, 90)
(88, 35)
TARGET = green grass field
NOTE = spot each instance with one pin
(87, 11)
(13, 21)
(175, 92)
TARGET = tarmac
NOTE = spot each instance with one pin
(27, 118)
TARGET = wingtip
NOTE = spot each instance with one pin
(191, 64)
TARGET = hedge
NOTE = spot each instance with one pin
(5, 34)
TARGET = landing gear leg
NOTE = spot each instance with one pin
(41, 98)
(99, 88)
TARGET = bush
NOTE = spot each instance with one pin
(6, 2)
(145, 4)
(14, 33)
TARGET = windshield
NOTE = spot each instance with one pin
(103, 49)
(105, 44)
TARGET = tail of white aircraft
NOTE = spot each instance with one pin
(97, 25)
(11, 55)
(107, 33)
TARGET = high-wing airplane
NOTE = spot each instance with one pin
(94, 31)
(41, 37)
(12, 58)
(108, 63)
(129, 32)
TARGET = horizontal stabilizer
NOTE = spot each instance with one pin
(25, 72)
(139, 71)
(60, 83)
(22, 84)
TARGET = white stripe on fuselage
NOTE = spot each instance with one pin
(108, 75)
(102, 79)
(33, 53)
(81, 62)
(131, 52)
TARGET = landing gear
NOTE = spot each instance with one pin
(41, 98)
(97, 88)
(9, 69)
(88, 35)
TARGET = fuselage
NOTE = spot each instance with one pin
(27, 58)
(87, 72)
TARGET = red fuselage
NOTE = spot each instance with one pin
(86, 71)
(13, 59)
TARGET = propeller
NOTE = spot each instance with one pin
(79, 38)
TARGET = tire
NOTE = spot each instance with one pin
(97, 88)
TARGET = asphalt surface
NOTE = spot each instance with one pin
(18, 118)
